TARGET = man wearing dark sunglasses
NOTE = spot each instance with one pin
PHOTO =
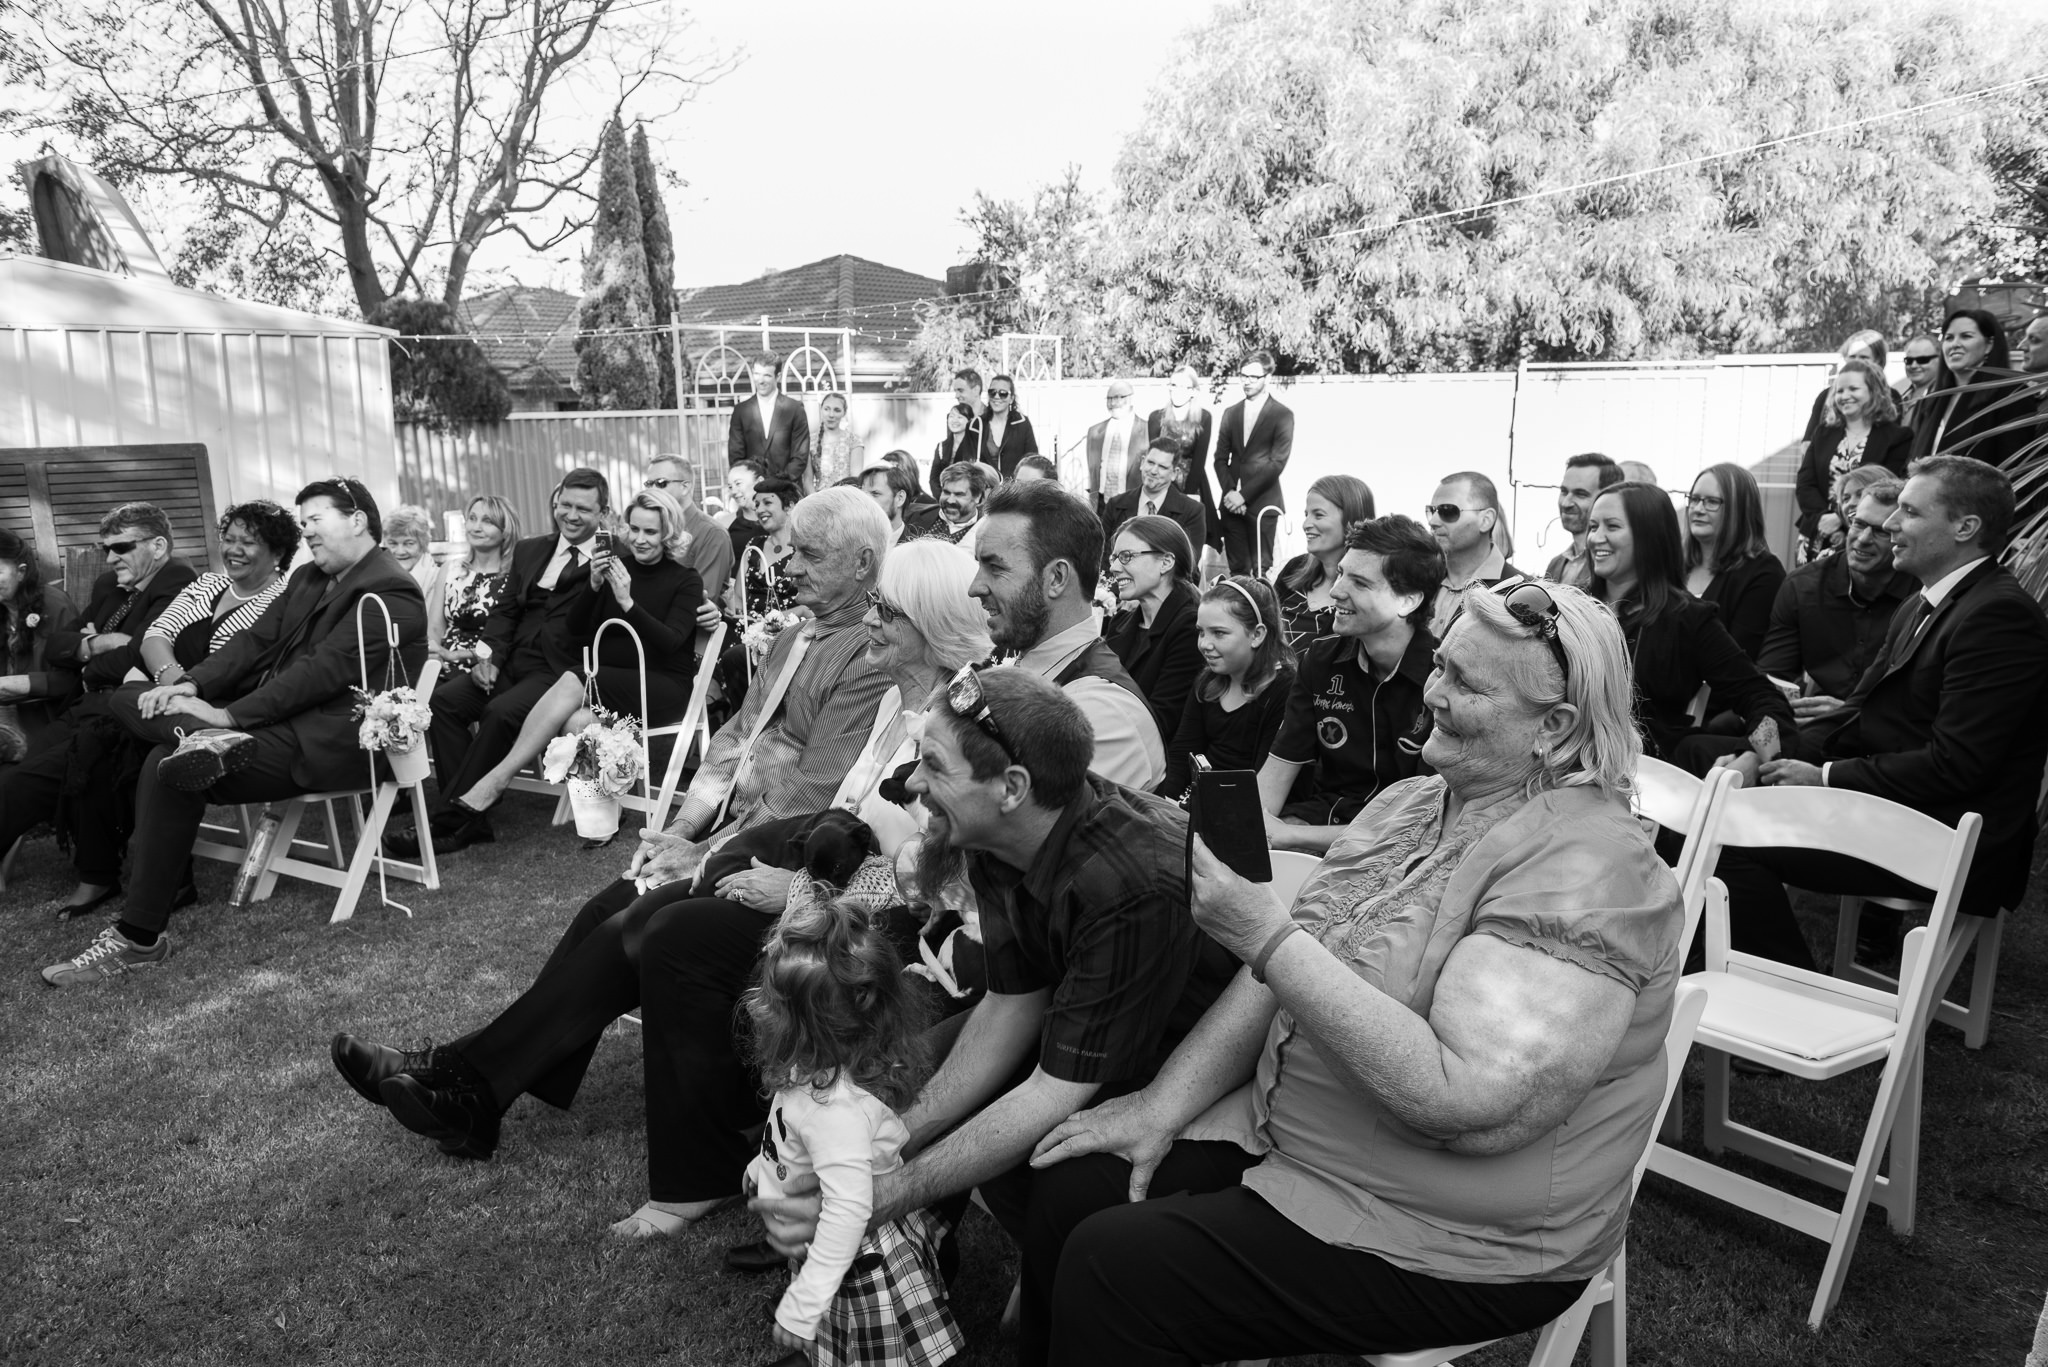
(269, 715)
(1466, 520)
(141, 579)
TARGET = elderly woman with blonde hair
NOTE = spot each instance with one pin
(1412, 1119)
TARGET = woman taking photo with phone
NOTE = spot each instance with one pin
(1234, 710)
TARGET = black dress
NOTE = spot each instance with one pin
(1237, 739)
(1685, 647)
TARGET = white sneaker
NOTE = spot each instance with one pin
(109, 956)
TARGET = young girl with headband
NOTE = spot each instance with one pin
(1234, 711)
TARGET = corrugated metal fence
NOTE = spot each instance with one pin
(1400, 434)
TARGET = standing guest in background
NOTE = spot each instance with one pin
(1234, 710)
(1036, 467)
(1006, 434)
(770, 428)
(1867, 347)
(838, 452)
(960, 446)
(1253, 443)
(963, 492)
(1333, 506)
(1830, 619)
(1727, 561)
(409, 536)
(1107, 463)
(267, 716)
(1923, 359)
(1585, 475)
(471, 587)
(1639, 472)
(31, 694)
(1156, 495)
(1466, 519)
(967, 391)
(1355, 716)
(1152, 568)
(1193, 427)
(1676, 642)
(1962, 421)
(710, 547)
(1859, 427)
(740, 480)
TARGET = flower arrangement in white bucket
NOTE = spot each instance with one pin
(600, 764)
(760, 633)
(395, 721)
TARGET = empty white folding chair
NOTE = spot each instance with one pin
(693, 733)
(1604, 1304)
(1680, 801)
(1291, 868)
(1816, 1027)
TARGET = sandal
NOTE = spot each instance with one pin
(652, 1222)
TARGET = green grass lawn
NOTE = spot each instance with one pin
(185, 1178)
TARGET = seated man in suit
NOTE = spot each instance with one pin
(1830, 618)
(1951, 717)
(1156, 495)
(770, 428)
(141, 579)
(277, 710)
(1355, 718)
(1253, 443)
(1106, 464)
(525, 648)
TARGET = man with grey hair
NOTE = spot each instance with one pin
(783, 754)
(711, 546)
(1108, 463)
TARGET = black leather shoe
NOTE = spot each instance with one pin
(401, 843)
(754, 1259)
(72, 911)
(460, 1119)
(364, 1065)
(465, 829)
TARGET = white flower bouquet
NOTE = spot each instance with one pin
(600, 764)
(395, 721)
(761, 632)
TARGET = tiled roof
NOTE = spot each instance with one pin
(528, 332)
(840, 291)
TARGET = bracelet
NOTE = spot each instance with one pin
(1265, 954)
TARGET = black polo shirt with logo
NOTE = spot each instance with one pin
(1352, 732)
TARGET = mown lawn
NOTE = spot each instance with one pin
(183, 1178)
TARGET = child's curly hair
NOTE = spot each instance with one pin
(832, 1000)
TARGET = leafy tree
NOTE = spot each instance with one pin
(437, 381)
(614, 364)
(660, 246)
(403, 138)
(1286, 124)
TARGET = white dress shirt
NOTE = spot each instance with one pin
(559, 561)
(1127, 745)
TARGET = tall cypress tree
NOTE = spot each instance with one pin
(616, 369)
(660, 245)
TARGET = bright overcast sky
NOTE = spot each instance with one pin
(867, 127)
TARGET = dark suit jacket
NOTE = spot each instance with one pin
(968, 453)
(1684, 648)
(1173, 504)
(666, 595)
(1019, 440)
(781, 446)
(1972, 420)
(1959, 723)
(1134, 451)
(1162, 659)
(1744, 596)
(524, 620)
(107, 671)
(1252, 462)
(1888, 445)
(1196, 481)
(296, 664)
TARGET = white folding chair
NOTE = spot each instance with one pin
(693, 732)
(1817, 1027)
(1604, 1304)
(1291, 869)
(329, 862)
(1679, 801)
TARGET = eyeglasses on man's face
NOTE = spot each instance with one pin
(1876, 531)
(1920, 360)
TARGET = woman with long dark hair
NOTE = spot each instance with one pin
(1727, 561)
(1675, 642)
(960, 445)
(1958, 419)
(1334, 504)
(1006, 434)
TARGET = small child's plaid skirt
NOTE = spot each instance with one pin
(891, 1308)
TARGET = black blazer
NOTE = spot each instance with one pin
(969, 452)
(1173, 504)
(107, 671)
(534, 622)
(1889, 444)
(1252, 462)
(1956, 720)
(1970, 417)
(781, 446)
(296, 664)
(666, 596)
(1162, 659)
(1196, 482)
(1019, 441)
(1744, 596)
(1685, 647)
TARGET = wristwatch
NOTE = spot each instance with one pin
(482, 650)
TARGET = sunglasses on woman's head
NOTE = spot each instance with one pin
(1531, 605)
(965, 697)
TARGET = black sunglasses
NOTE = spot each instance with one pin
(965, 697)
(1448, 512)
(999, 393)
(119, 547)
(1531, 604)
(661, 483)
(888, 610)
(1922, 360)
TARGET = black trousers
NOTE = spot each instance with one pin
(1215, 1274)
(684, 961)
(460, 759)
(28, 797)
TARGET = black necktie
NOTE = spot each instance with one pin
(120, 614)
(1909, 633)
